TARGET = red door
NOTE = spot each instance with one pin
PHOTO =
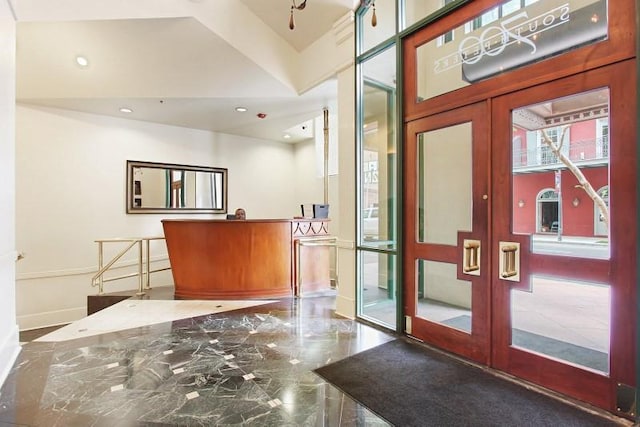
(563, 173)
(446, 230)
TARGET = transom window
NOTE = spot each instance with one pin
(496, 13)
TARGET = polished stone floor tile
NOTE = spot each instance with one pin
(134, 313)
(247, 367)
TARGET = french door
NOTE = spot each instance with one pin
(484, 277)
(446, 227)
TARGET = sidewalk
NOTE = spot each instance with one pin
(578, 240)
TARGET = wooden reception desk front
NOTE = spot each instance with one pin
(237, 259)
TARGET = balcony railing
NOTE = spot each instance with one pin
(592, 151)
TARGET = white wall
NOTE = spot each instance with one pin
(70, 190)
(309, 185)
(9, 347)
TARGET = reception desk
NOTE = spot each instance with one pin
(238, 259)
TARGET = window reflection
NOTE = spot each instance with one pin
(164, 188)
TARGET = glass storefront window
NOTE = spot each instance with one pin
(378, 151)
(377, 193)
(385, 23)
(377, 300)
(415, 10)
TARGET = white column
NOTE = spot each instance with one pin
(345, 60)
(9, 345)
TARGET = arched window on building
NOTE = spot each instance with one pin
(600, 226)
(547, 211)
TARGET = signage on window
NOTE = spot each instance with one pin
(525, 36)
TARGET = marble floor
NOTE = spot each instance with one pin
(191, 363)
(250, 366)
(133, 313)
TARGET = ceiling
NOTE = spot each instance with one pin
(563, 111)
(163, 61)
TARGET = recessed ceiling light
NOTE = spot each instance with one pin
(286, 136)
(126, 110)
(82, 61)
(241, 109)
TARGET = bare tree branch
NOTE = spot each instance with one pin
(582, 180)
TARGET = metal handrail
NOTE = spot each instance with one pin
(144, 263)
(588, 150)
(148, 264)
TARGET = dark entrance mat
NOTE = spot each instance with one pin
(410, 385)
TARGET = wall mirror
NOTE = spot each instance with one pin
(170, 188)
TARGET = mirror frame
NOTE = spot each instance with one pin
(132, 209)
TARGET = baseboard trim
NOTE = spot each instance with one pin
(346, 307)
(51, 318)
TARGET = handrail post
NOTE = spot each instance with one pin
(140, 290)
(335, 262)
(148, 266)
(100, 262)
(297, 278)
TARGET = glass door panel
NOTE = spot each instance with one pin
(446, 222)
(445, 178)
(560, 160)
(560, 168)
(442, 297)
(563, 319)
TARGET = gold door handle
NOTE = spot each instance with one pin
(510, 261)
(471, 257)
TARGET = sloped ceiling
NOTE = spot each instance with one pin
(179, 62)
